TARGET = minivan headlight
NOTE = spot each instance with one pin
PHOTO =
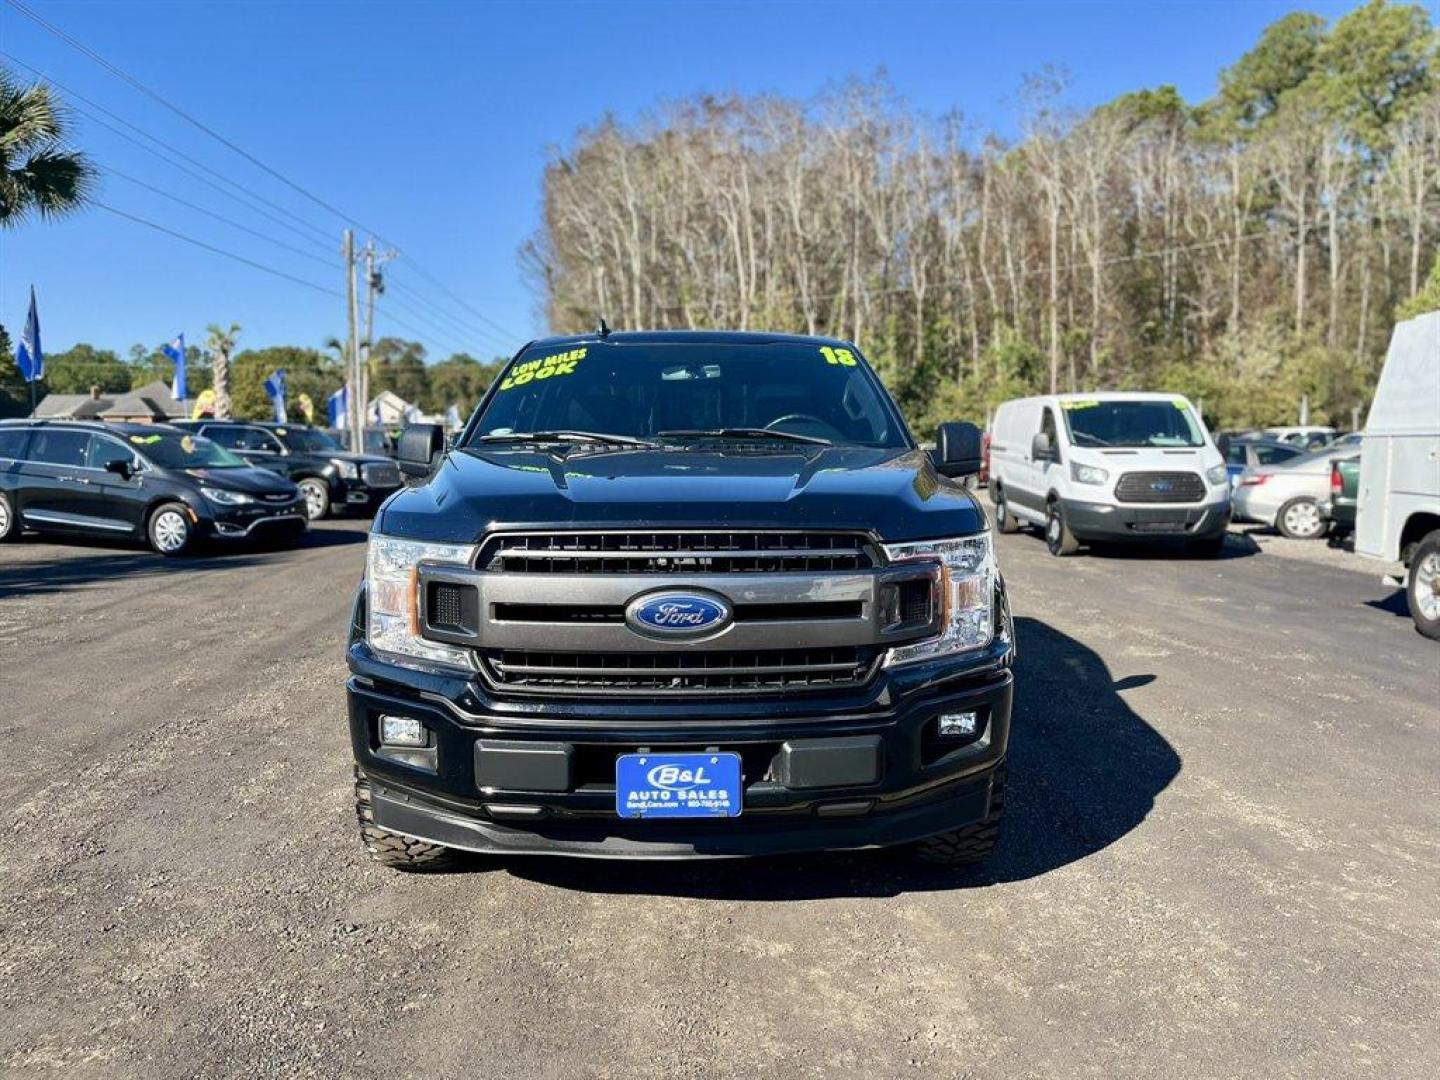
(221, 497)
(392, 578)
(1087, 474)
(967, 592)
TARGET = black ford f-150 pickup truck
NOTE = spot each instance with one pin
(676, 595)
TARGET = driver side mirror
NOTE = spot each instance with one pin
(121, 468)
(957, 449)
(419, 447)
(1040, 448)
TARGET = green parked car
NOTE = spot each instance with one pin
(1344, 483)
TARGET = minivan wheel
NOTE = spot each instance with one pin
(1422, 589)
(971, 844)
(1058, 537)
(317, 498)
(9, 527)
(392, 849)
(1300, 519)
(169, 529)
(1004, 522)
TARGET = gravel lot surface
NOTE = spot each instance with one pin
(1221, 859)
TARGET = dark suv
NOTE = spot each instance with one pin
(330, 477)
(675, 595)
(167, 486)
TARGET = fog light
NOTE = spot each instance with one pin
(402, 731)
(960, 724)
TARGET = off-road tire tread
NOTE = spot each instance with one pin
(971, 844)
(391, 849)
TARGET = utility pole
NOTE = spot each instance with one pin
(374, 286)
(355, 412)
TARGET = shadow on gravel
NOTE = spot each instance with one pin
(1084, 770)
(1397, 603)
(78, 561)
(1238, 545)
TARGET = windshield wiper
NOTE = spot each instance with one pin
(741, 433)
(565, 436)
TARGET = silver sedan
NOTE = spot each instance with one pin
(1287, 496)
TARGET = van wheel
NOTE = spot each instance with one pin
(1300, 519)
(1422, 589)
(388, 848)
(169, 530)
(9, 527)
(317, 497)
(971, 844)
(1004, 522)
(1058, 537)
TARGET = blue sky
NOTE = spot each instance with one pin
(430, 123)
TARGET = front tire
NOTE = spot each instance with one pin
(1422, 586)
(392, 849)
(9, 524)
(169, 529)
(1300, 519)
(1058, 537)
(317, 497)
(971, 844)
(1004, 522)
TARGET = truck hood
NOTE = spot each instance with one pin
(895, 493)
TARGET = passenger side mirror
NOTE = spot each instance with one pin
(957, 449)
(1040, 448)
(121, 468)
(419, 446)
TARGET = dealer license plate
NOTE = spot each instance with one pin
(678, 785)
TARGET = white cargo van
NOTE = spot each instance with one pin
(1397, 512)
(1108, 467)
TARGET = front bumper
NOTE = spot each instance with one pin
(253, 519)
(1139, 522)
(895, 781)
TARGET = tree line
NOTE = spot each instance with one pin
(395, 364)
(1246, 250)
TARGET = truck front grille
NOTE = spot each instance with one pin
(380, 474)
(727, 552)
(1159, 487)
(755, 671)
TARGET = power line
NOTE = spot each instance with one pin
(125, 76)
(467, 329)
(110, 171)
(217, 250)
(243, 201)
(120, 73)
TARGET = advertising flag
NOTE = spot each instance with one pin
(307, 408)
(29, 357)
(275, 391)
(176, 352)
(337, 406)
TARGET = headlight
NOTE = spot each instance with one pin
(967, 591)
(226, 498)
(348, 470)
(392, 575)
(1217, 474)
(1087, 474)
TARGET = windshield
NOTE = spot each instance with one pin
(1132, 423)
(685, 392)
(177, 451)
(310, 440)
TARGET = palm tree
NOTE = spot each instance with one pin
(37, 173)
(221, 343)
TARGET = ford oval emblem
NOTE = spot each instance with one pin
(1162, 485)
(677, 614)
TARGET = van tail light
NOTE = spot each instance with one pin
(1254, 481)
(1337, 485)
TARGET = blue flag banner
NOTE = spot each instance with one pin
(176, 352)
(29, 357)
(337, 409)
(275, 391)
